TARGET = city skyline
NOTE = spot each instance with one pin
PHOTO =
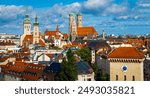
(113, 16)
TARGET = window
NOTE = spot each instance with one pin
(133, 78)
(125, 78)
(89, 79)
(116, 77)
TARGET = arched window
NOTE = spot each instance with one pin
(133, 78)
(35, 33)
(125, 78)
(116, 77)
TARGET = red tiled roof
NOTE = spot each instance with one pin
(50, 55)
(126, 52)
(7, 65)
(28, 37)
(24, 54)
(18, 67)
(84, 31)
(36, 68)
(57, 36)
(25, 49)
(41, 43)
(50, 33)
(33, 68)
(66, 46)
(31, 77)
(6, 43)
(3, 59)
(65, 36)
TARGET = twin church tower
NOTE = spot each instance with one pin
(74, 24)
(29, 37)
(76, 30)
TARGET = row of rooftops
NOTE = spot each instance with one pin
(28, 71)
(121, 52)
(6, 42)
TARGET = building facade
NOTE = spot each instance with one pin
(28, 37)
(126, 64)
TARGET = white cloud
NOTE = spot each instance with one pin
(96, 3)
(11, 11)
(116, 9)
(144, 3)
(11, 15)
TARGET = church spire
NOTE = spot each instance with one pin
(36, 20)
(26, 19)
(57, 28)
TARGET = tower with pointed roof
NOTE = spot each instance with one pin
(26, 28)
(36, 32)
(27, 25)
(79, 20)
(72, 27)
(57, 28)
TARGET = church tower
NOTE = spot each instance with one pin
(72, 27)
(103, 34)
(79, 20)
(26, 28)
(36, 32)
(27, 25)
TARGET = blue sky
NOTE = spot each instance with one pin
(113, 16)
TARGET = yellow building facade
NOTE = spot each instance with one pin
(126, 64)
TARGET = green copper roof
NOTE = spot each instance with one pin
(71, 14)
(36, 21)
(79, 14)
(26, 19)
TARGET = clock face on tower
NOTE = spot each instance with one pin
(124, 68)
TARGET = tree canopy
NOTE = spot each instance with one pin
(68, 68)
(85, 54)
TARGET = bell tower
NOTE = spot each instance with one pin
(79, 20)
(27, 25)
(72, 27)
(36, 32)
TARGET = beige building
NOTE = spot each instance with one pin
(85, 71)
(126, 64)
(86, 77)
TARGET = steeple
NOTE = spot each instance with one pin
(103, 34)
(36, 21)
(26, 19)
(79, 14)
(36, 31)
(57, 28)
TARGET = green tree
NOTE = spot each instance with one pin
(96, 71)
(68, 68)
(85, 54)
(103, 75)
(70, 38)
(56, 48)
